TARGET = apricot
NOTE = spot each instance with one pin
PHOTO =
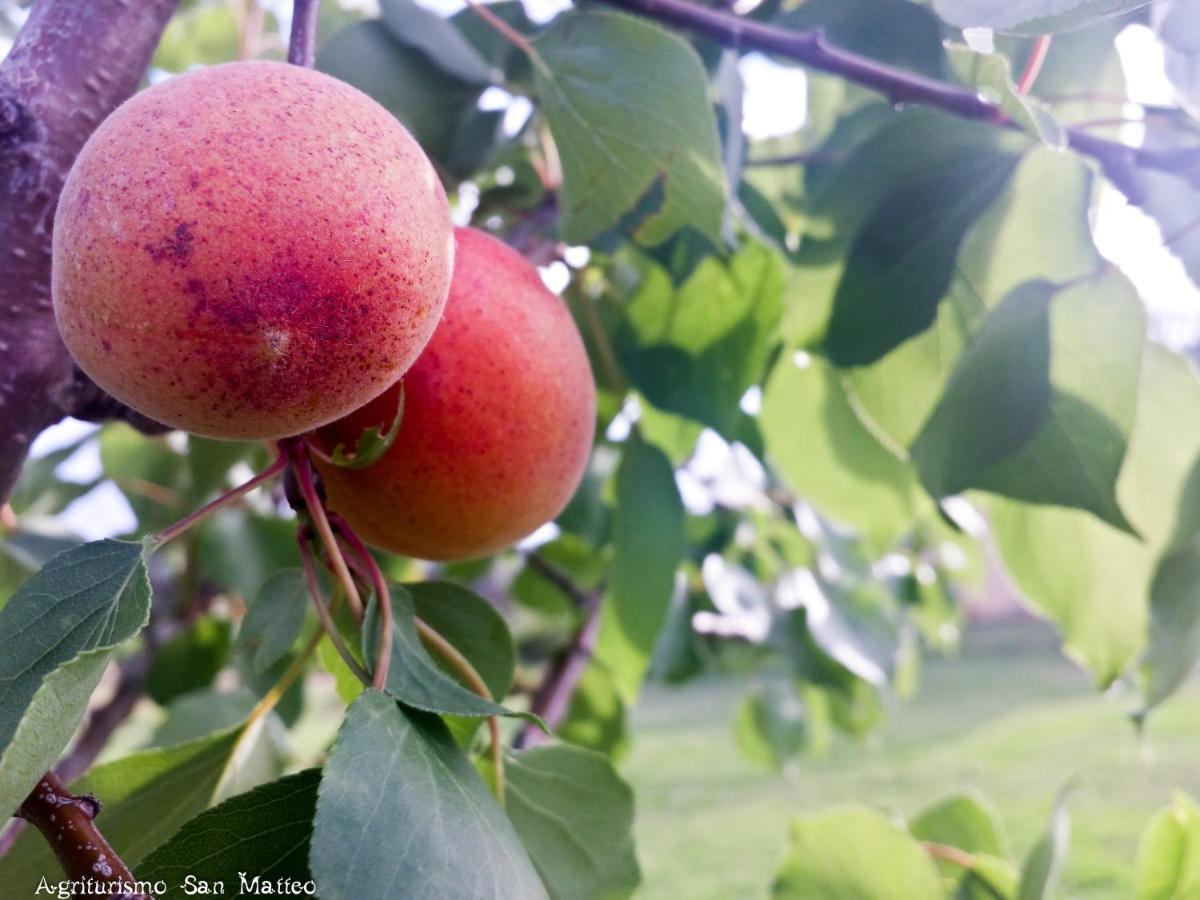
(499, 413)
(250, 251)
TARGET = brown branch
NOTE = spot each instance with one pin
(67, 821)
(70, 66)
(552, 697)
(1119, 162)
(302, 45)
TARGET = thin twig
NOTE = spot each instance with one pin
(559, 579)
(1033, 65)
(809, 47)
(502, 28)
(302, 44)
(552, 697)
(225, 499)
(949, 854)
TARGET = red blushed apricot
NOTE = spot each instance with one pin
(499, 413)
(250, 251)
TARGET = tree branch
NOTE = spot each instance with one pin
(552, 697)
(67, 821)
(71, 65)
(1120, 162)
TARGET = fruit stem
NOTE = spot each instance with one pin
(507, 32)
(382, 596)
(302, 43)
(316, 511)
(460, 664)
(323, 612)
(173, 531)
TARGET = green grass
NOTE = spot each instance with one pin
(1010, 719)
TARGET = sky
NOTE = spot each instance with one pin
(1123, 234)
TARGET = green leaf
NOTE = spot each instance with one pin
(1031, 17)
(854, 853)
(1097, 332)
(209, 462)
(996, 397)
(905, 223)
(647, 548)
(595, 718)
(1088, 578)
(474, 626)
(147, 796)
(626, 104)
(962, 821)
(275, 618)
(240, 550)
(262, 834)
(436, 37)
(189, 661)
(996, 428)
(1040, 870)
(1036, 230)
(1174, 640)
(203, 712)
(827, 456)
(402, 810)
(989, 75)
(991, 878)
(58, 632)
(477, 630)
(372, 443)
(413, 677)
(432, 104)
(574, 814)
(1168, 856)
(770, 727)
(200, 36)
(151, 475)
(695, 350)
(1163, 449)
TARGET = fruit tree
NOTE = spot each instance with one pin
(392, 393)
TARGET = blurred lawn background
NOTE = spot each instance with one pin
(1010, 717)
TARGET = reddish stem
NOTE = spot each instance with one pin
(302, 469)
(1033, 65)
(323, 611)
(382, 595)
(173, 531)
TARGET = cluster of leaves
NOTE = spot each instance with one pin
(840, 365)
(956, 848)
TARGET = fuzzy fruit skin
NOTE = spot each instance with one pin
(250, 251)
(499, 414)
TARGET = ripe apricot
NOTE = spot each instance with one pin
(499, 413)
(250, 251)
